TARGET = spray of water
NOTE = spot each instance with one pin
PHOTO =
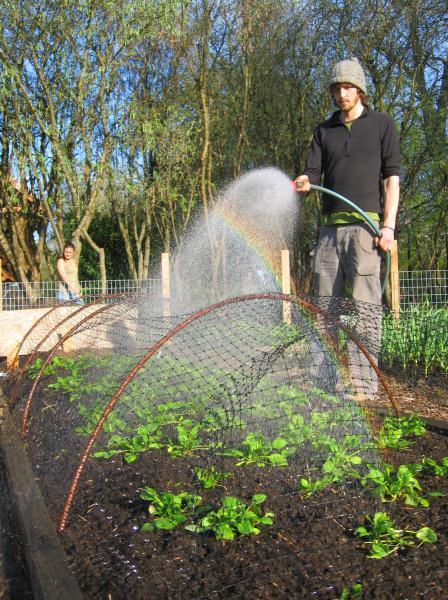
(237, 249)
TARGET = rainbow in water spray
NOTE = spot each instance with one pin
(261, 209)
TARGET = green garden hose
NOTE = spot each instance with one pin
(374, 228)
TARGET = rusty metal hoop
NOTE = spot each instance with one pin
(60, 342)
(308, 305)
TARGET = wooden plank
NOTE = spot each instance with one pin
(50, 575)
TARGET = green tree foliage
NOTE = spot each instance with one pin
(126, 116)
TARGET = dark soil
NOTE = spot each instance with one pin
(310, 551)
(415, 393)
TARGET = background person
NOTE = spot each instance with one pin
(357, 153)
(67, 266)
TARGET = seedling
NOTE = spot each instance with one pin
(385, 539)
(74, 380)
(34, 368)
(438, 469)
(342, 462)
(210, 478)
(396, 430)
(58, 362)
(352, 593)
(234, 518)
(91, 416)
(393, 485)
(298, 431)
(262, 452)
(169, 510)
(292, 395)
(147, 438)
(187, 442)
(411, 340)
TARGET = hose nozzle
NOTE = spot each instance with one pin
(297, 185)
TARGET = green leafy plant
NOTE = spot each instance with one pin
(34, 368)
(325, 395)
(210, 478)
(342, 461)
(58, 362)
(395, 431)
(187, 441)
(148, 437)
(72, 382)
(169, 510)
(234, 518)
(352, 593)
(292, 396)
(419, 338)
(297, 430)
(401, 484)
(438, 469)
(286, 334)
(91, 416)
(384, 538)
(262, 452)
(432, 466)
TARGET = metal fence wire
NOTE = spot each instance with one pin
(42, 294)
(416, 287)
(424, 287)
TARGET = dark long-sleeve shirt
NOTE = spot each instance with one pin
(353, 162)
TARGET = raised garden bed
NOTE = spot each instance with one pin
(303, 465)
(310, 550)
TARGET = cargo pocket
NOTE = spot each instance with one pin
(367, 257)
(326, 264)
(325, 256)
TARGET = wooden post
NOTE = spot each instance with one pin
(394, 280)
(166, 310)
(286, 286)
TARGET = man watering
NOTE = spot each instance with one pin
(357, 153)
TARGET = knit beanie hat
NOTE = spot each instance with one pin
(349, 71)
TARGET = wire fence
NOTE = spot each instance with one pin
(424, 287)
(42, 294)
(416, 287)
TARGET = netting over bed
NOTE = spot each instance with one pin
(225, 409)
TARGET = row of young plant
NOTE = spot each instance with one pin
(165, 426)
(418, 338)
(343, 461)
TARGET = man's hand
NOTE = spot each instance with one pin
(386, 240)
(303, 185)
(391, 198)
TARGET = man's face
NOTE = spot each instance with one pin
(346, 95)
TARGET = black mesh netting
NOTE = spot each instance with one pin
(233, 432)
